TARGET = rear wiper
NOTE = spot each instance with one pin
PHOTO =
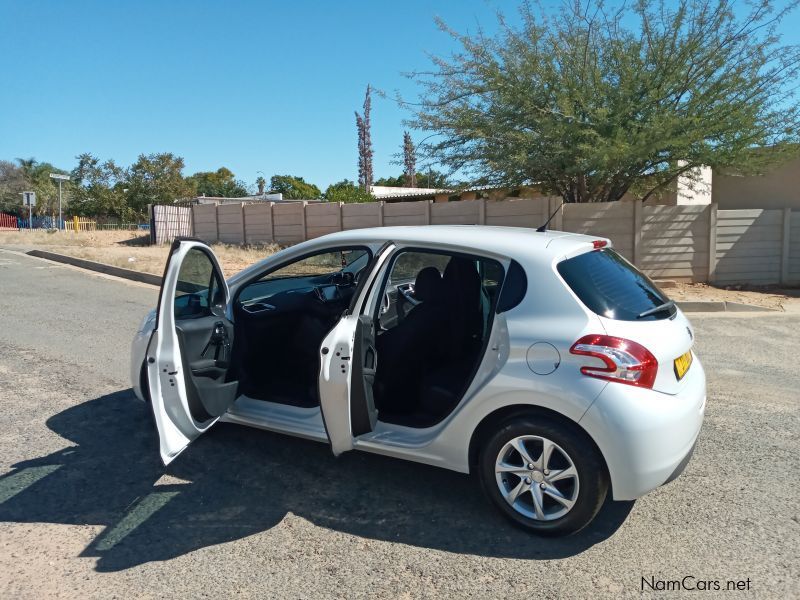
(669, 304)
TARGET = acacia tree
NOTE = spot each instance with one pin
(409, 161)
(363, 125)
(594, 102)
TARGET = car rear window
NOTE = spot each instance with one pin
(613, 288)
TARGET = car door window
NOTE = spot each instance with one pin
(198, 288)
(332, 271)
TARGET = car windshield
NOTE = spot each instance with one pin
(613, 288)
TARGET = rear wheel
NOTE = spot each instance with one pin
(545, 476)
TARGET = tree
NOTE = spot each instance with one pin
(363, 125)
(12, 184)
(409, 160)
(99, 189)
(221, 183)
(261, 183)
(593, 104)
(156, 179)
(424, 179)
(294, 188)
(36, 178)
(347, 191)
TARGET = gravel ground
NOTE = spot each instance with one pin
(86, 509)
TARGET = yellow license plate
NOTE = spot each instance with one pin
(682, 364)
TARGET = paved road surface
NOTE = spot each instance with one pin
(87, 510)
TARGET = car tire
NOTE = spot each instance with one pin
(144, 384)
(546, 499)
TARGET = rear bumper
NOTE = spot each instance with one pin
(646, 437)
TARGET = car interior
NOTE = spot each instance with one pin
(431, 330)
(281, 320)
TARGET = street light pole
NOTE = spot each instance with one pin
(60, 178)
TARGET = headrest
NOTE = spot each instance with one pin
(428, 286)
(462, 274)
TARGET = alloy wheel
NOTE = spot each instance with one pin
(537, 478)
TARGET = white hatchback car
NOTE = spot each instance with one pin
(542, 361)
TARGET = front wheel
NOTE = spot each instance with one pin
(543, 475)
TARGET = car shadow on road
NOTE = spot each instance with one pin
(236, 481)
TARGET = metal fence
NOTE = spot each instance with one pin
(69, 224)
(45, 222)
(8, 221)
(169, 222)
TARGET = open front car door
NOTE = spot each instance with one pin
(348, 360)
(188, 358)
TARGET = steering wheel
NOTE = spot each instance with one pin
(343, 279)
(407, 292)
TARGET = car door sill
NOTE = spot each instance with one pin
(281, 418)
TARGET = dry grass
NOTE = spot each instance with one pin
(126, 249)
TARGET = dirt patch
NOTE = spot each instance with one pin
(768, 297)
(126, 249)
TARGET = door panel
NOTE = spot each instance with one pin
(188, 358)
(347, 365)
(363, 415)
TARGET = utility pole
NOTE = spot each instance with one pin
(60, 178)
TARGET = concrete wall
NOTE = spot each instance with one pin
(230, 223)
(258, 223)
(675, 242)
(779, 188)
(204, 220)
(749, 247)
(688, 243)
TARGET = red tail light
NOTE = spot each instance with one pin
(625, 361)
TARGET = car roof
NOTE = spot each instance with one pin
(507, 241)
(523, 244)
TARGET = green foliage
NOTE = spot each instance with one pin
(156, 179)
(347, 191)
(427, 179)
(220, 183)
(29, 175)
(99, 189)
(409, 160)
(294, 188)
(365, 152)
(12, 184)
(599, 101)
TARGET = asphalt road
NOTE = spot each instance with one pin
(86, 509)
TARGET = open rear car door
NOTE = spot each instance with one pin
(348, 360)
(188, 357)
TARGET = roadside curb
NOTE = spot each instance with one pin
(90, 265)
(721, 306)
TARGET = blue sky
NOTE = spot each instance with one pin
(254, 86)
